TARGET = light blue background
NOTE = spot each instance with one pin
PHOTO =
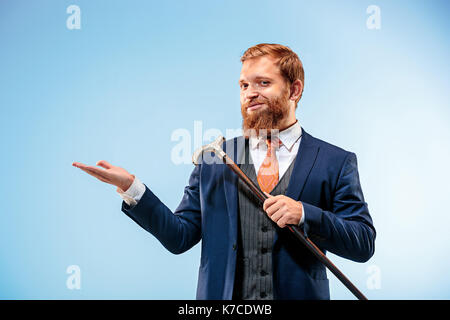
(138, 70)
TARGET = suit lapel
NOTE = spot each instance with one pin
(234, 148)
(304, 162)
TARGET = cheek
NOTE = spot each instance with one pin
(271, 93)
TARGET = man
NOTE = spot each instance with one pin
(247, 252)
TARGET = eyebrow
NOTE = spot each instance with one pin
(256, 78)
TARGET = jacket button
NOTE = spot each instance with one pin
(234, 246)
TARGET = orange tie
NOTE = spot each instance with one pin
(268, 173)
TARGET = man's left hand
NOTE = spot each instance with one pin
(283, 210)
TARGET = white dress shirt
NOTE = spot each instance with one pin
(285, 154)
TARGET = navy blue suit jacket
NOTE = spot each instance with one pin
(325, 179)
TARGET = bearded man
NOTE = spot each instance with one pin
(247, 252)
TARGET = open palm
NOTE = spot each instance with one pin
(116, 176)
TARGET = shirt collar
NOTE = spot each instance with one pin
(288, 137)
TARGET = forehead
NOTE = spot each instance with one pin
(264, 66)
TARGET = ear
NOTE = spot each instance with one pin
(296, 90)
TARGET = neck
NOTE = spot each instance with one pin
(289, 120)
(288, 124)
(268, 132)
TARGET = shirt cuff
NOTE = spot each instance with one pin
(134, 192)
(302, 219)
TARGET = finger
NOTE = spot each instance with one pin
(274, 208)
(98, 173)
(99, 177)
(78, 164)
(281, 218)
(270, 201)
(101, 174)
(82, 165)
(91, 168)
(276, 216)
(282, 222)
(104, 164)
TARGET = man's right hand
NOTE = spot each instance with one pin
(116, 176)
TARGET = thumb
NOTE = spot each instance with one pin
(104, 164)
(268, 194)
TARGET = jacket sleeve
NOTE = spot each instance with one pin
(178, 231)
(348, 230)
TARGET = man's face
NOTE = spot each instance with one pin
(264, 95)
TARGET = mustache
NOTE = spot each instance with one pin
(247, 104)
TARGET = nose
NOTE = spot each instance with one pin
(251, 94)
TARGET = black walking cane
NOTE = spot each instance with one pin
(216, 147)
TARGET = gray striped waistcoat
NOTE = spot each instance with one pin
(254, 276)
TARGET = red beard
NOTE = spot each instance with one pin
(267, 119)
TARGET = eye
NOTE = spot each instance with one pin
(265, 83)
(244, 85)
